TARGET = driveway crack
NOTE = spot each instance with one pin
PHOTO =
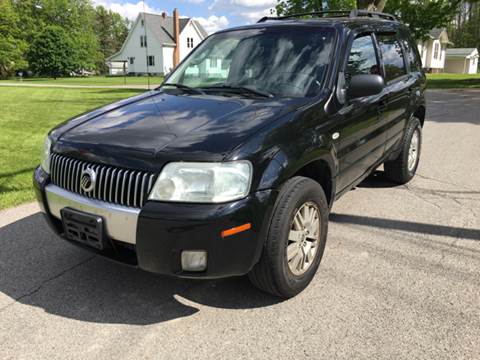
(45, 282)
(414, 193)
(443, 182)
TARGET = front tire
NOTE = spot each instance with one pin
(295, 240)
(403, 168)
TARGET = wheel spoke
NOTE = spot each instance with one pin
(297, 222)
(292, 250)
(311, 218)
(297, 259)
(295, 235)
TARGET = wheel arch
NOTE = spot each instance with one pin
(420, 114)
(320, 171)
(320, 168)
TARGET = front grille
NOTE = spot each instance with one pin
(114, 185)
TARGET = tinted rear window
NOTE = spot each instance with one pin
(411, 53)
(392, 56)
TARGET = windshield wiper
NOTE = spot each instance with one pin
(241, 89)
(184, 87)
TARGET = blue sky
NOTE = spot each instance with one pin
(212, 14)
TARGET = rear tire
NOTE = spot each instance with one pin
(295, 240)
(403, 168)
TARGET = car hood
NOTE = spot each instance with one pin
(162, 127)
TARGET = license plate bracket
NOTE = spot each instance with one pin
(82, 227)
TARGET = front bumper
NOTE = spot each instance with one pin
(154, 237)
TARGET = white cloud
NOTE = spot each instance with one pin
(128, 10)
(254, 3)
(213, 23)
(253, 16)
(247, 11)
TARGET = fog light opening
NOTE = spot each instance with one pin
(194, 260)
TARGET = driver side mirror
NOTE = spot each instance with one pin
(365, 85)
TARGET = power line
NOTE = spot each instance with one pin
(145, 42)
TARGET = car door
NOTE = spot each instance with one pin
(399, 85)
(360, 139)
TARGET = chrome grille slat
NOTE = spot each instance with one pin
(114, 185)
(70, 178)
(129, 187)
(136, 190)
(142, 190)
(117, 187)
(112, 179)
(105, 180)
(98, 186)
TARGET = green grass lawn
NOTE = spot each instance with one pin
(26, 115)
(92, 80)
(453, 81)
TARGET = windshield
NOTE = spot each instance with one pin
(276, 61)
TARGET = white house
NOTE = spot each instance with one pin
(433, 49)
(462, 61)
(156, 44)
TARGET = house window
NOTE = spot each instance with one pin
(435, 51)
(132, 60)
(151, 60)
(213, 62)
(189, 42)
(142, 23)
(143, 40)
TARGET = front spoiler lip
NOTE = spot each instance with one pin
(120, 221)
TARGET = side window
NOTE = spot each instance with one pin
(362, 58)
(392, 57)
(411, 53)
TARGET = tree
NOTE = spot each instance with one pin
(11, 48)
(464, 31)
(421, 16)
(111, 30)
(76, 17)
(286, 7)
(51, 52)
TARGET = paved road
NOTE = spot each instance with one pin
(400, 279)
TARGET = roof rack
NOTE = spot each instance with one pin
(332, 14)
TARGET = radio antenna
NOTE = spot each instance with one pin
(145, 42)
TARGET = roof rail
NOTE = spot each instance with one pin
(332, 14)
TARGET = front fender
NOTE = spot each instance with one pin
(282, 167)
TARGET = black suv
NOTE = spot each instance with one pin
(232, 165)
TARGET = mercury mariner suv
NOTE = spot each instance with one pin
(231, 166)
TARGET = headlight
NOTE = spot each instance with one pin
(45, 156)
(203, 182)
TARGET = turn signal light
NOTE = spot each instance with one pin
(236, 230)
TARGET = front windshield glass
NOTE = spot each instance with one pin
(277, 61)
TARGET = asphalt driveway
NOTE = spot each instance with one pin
(400, 279)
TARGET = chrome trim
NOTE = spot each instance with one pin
(123, 187)
(120, 221)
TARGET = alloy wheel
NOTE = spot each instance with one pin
(303, 238)
(413, 150)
